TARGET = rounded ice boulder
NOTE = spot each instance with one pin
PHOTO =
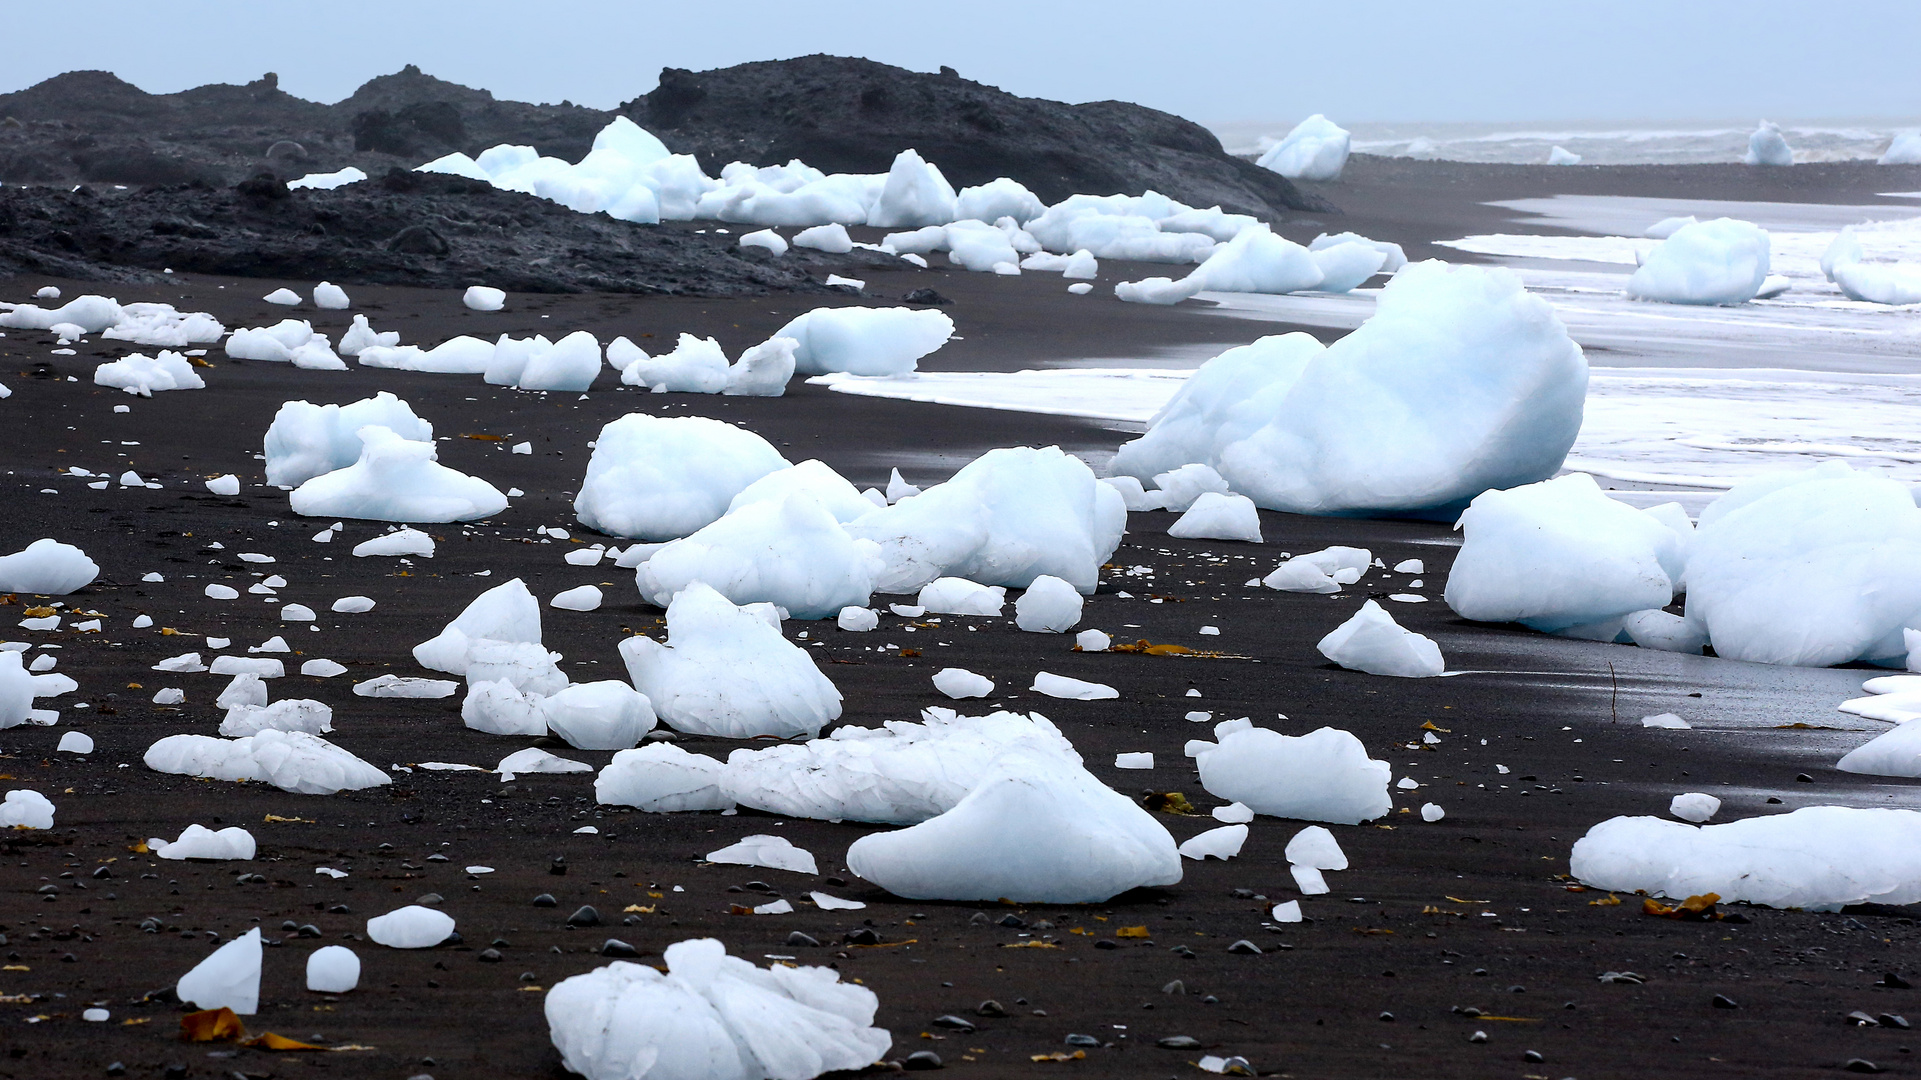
(1324, 775)
(659, 478)
(410, 927)
(1723, 261)
(47, 568)
(332, 969)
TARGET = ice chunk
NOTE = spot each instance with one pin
(605, 715)
(962, 683)
(75, 742)
(322, 668)
(1562, 156)
(790, 553)
(772, 852)
(997, 199)
(661, 778)
(327, 296)
(659, 478)
(527, 666)
(1138, 760)
(713, 1017)
(394, 686)
(1896, 752)
(332, 969)
(1767, 147)
(1373, 642)
(361, 336)
(1316, 847)
(24, 808)
(534, 761)
(146, 376)
(1259, 261)
(727, 671)
(289, 760)
(900, 773)
(1049, 606)
(958, 596)
(228, 979)
(224, 485)
(1232, 813)
(1664, 720)
(200, 842)
(404, 541)
(498, 707)
(914, 194)
(1219, 843)
(1180, 488)
(1694, 806)
(767, 240)
(579, 598)
(1418, 411)
(857, 619)
(283, 297)
(18, 688)
(1723, 261)
(483, 298)
(463, 355)
(865, 341)
(1315, 150)
(1818, 858)
(569, 364)
(1560, 553)
(898, 488)
(290, 714)
(1905, 149)
(813, 476)
(410, 927)
(506, 612)
(1035, 830)
(1006, 518)
(307, 440)
(397, 479)
(1060, 686)
(1215, 516)
(1811, 568)
(1092, 641)
(1324, 775)
(47, 568)
(1665, 631)
(763, 371)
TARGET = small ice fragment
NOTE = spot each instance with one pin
(229, 978)
(322, 668)
(482, 298)
(410, 927)
(221, 592)
(1410, 566)
(772, 852)
(1233, 814)
(333, 969)
(353, 605)
(962, 683)
(224, 485)
(296, 613)
(170, 695)
(1308, 880)
(73, 742)
(1287, 912)
(834, 903)
(1223, 842)
(1138, 760)
(582, 598)
(1060, 686)
(1092, 641)
(1694, 806)
(1664, 720)
(856, 619)
(1432, 812)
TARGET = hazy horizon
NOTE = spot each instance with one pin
(1228, 62)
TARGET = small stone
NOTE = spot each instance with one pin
(1772, 801)
(921, 1060)
(990, 1007)
(1861, 1019)
(585, 915)
(1722, 1001)
(1082, 1040)
(1245, 948)
(558, 868)
(1386, 1018)
(804, 941)
(1803, 778)
(1860, 1065)
(1175, 987)
(1478, 1037)
(618, 949)
(1895, 982)
(340, 909)
(1106, 943)
(432, 899)
(1893, 1020)
(1533, 1056)
(117, 1069)
(177, 1071)
(546, 900)
(1013, 921)
(103, 872)
(864, 936)
(489, 956)
(1210, 1000)
(924, 296)
(954, 1023)
(1178, 1042)
(980, 919)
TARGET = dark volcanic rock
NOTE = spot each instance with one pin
(848, 115)
(402, 229)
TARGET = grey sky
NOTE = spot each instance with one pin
(1210, 60)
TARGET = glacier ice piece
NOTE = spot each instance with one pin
(332, 969)
(1324, 775)
(659, 478)
(1718, 262)
(865, 341)
(47, 567)
(397, 479)
(1215, 516)
(1373, 642)
(604, 715)
(1316, 149)
(229, 978)
(410, 927)
(289, 760)
(772, 852)
(962, 683)
(661, 778)
(790, 553)
(507, 612)
(200, 842)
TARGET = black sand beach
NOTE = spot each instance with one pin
(1437, 932)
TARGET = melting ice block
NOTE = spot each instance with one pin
(307, 440)
(772, 852)
(900, 773)
(1819, 858)
(1896, 752)
(1219, 843)
(24, 808)
(332, 969)
(18, 688)
(1036, 829)
(507, 612)
(962, 683)
(145, 376)
(1215, 516)
(1723, 261)
(1061, 686)
(289, 760)
(1324, 775)
(47, 568)
(1373, 642)
(397, 479)
(790, 553)
(727, 671)
(865, 341)
(410, 927)
(1316, 149)
(228, 979)
(658, 478)
(200, 842)
(958, 596)
(605, 715)
(712, 1017)
(661, 778)
(1049, 606)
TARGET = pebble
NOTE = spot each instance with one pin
(1893, 1020)
(1245, 948)
(1532, 1056)
(618, 949)
(805, 941)
(954, 1023)
(1478, 1037)
(585, 915)
(990, 1007)
(1179, 1042)
(546, 900)
(432, 899)
(863, 936)
(489, 956)
(1106, 943)
(1082, 1040)
(1895, 982)
(1175, 987)
(1860, 1065)
(921, 1060)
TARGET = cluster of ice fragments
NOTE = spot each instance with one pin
(1459, 383)
(370, 459)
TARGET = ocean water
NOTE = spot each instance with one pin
(1598, 143)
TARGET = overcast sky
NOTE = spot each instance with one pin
(1210, 60)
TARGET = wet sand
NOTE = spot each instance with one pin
(1471, 912)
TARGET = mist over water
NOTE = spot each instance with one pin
(1598, 143)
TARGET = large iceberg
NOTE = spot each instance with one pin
(1460, 382)
(397, 479)
(727, 671)
(1817, 858)
(307, 440)
(1560, 553)
(1723, 261)
(865, 341)
(289, 760)
(712, 1017)
(660, 478)
(1315, 150)
(1036, 829)
(790, 553)
(1006, 518)
(1811, 568)
(899, 774)
(1324, 775)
